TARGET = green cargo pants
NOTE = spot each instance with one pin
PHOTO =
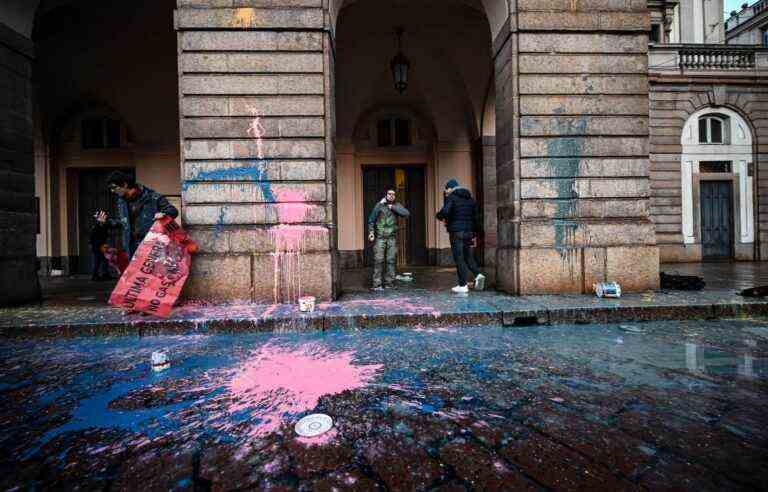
(384, 248)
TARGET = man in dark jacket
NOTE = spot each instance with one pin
(382, 228)
(138, 208)
(460, 214)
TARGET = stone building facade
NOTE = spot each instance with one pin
(749, 25)
(707, 158)
(263, 117)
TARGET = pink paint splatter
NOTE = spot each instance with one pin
(276, 381)
(256, 130)
(291, 206)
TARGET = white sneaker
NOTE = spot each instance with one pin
(460, 290)
(480, 282)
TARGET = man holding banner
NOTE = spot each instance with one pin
(138, 208)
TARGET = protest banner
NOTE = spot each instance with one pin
(155, 276)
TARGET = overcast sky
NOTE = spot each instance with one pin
(735, 5)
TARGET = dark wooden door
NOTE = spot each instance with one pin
(716, 219)
(411, 193)
(414, 200)
(93, 195)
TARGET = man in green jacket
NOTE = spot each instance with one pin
(382, 228)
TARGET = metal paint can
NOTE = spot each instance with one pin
(307, 304)
(160, 361)
(607, 289)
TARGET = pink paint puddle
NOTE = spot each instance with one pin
(275, 381)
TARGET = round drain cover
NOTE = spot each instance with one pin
(313, 425)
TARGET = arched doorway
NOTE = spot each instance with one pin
(717, 169)
(443, 106)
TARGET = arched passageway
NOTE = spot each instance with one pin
(450, 57)
(259, 131)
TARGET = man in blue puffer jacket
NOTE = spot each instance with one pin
(460, 214)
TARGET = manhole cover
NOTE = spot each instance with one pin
(314, 425)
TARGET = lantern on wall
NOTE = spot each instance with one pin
(400, 64)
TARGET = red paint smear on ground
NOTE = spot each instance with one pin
(275, 381)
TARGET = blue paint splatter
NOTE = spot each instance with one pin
(254, 171)
(565, 154)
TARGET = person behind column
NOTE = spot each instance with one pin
(382, 231)
(98, 238)
(461, 218)
(138, 208)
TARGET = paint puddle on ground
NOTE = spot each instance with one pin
(406, 403)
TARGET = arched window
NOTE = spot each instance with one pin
(100, 133)
(394, 131)
(713, 129)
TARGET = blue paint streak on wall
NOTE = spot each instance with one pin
(255, 171)
(565, 154)
(251, 171)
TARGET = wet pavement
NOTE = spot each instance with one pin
(657, 406)
(77, 307)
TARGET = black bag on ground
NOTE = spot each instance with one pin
(681, 282)
(760, 291)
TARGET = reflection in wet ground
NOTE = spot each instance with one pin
(675, 405)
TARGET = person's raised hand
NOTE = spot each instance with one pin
(101, 216)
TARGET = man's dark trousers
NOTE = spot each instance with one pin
(461, 244)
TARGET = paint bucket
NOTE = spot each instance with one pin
(160, 361)
(607, 289)
(307, 304)
(313, 425)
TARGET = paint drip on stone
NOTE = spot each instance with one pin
(565, 155)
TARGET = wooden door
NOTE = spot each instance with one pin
(411, 193)
(716, 219)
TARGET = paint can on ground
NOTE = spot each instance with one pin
(404, 277)
(607, 289)
(314, 425)
(307, 304)
(160, 361)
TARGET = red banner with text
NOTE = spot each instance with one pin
(153, 280)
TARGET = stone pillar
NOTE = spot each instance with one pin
(257, 161)
(572, 131)
(18, 217)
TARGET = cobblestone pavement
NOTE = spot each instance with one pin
(659, 406)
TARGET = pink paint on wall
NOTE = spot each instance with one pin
(256, 130)
(291, 207)
(275, 381)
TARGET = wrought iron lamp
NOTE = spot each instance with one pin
(400, 64)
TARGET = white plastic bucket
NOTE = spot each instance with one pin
(307, 304)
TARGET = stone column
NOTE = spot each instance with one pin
(18, 217)
(573, 178)
(257, 162)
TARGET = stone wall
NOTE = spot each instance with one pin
(572, 147)
(18, 218)
(673, 101)
(256, 108)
